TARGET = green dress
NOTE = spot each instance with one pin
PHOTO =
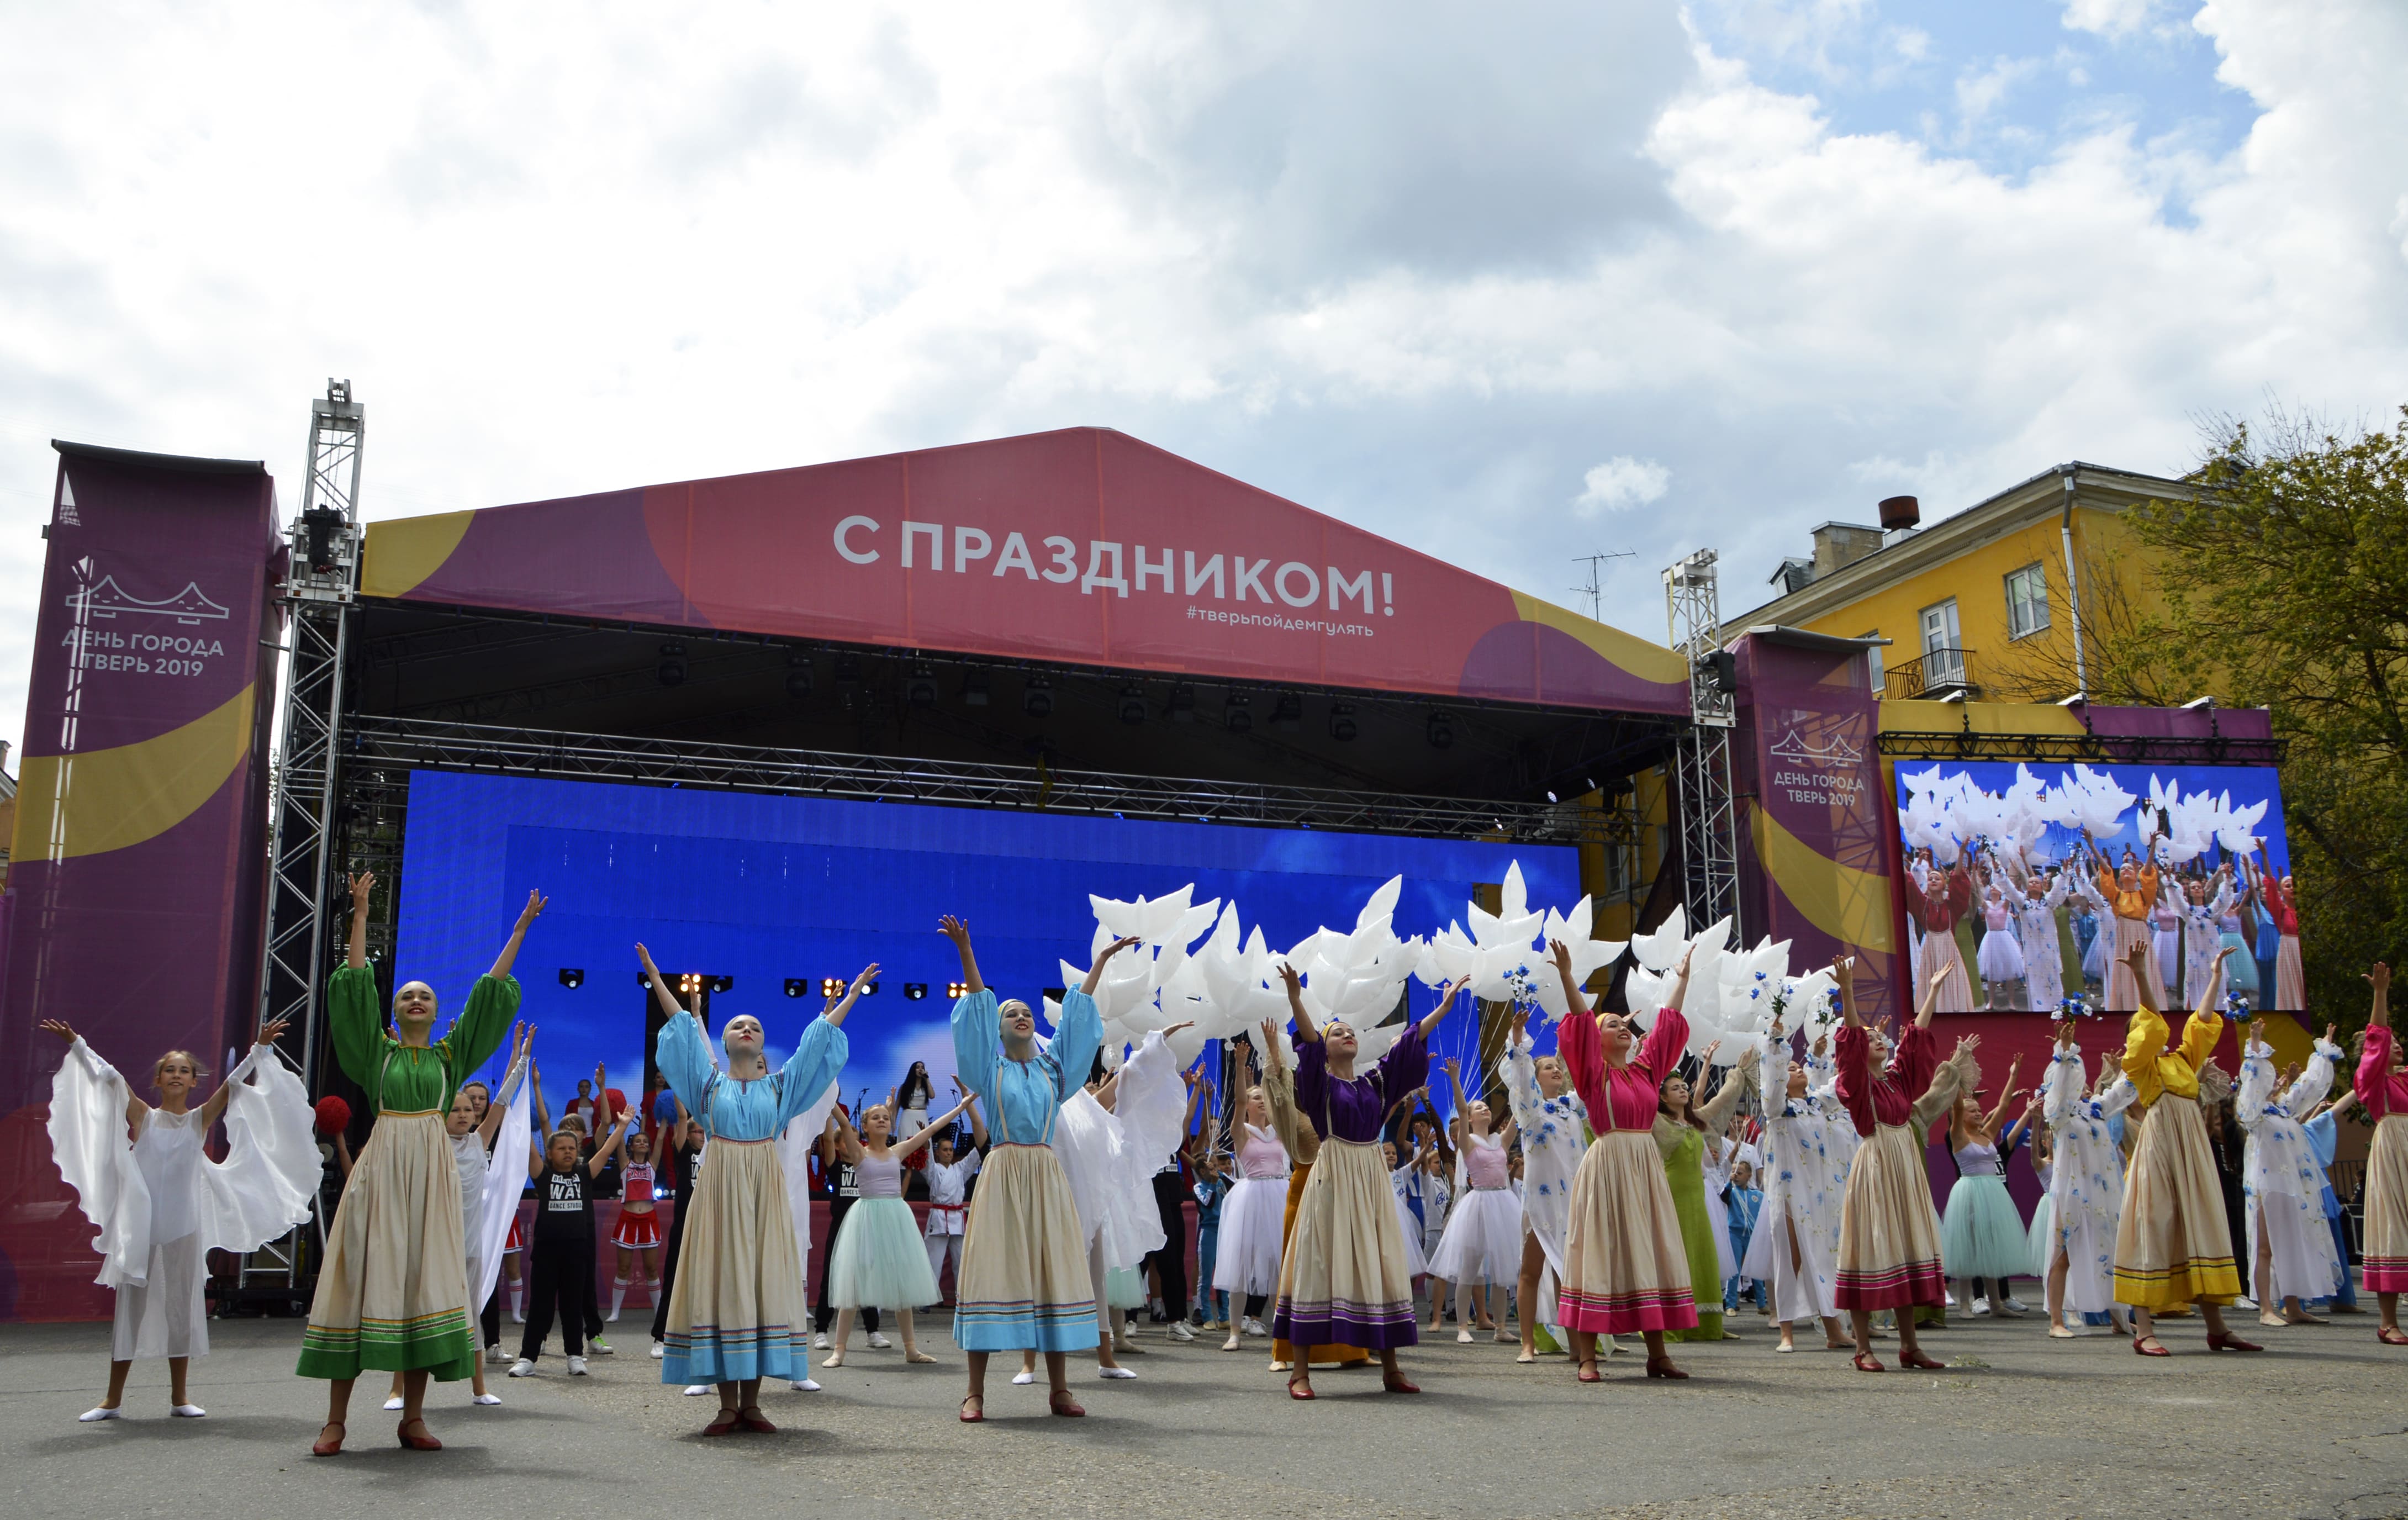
(1684, 1174)
(380, 1304)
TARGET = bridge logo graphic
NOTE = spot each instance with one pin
(189, 606)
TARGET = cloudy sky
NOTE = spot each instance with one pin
(1509, 283)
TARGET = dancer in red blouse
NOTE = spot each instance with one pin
(2382, 1087)
(1625, 1265)
(1889, 1233)
(1937, 904)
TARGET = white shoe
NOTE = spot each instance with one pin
(496, 1356)
(820, 1341)
(1019, 1380)
(186, 1411)
(695, 1390)
(88, 1416)
(879, 1343)
(600, 1347)
(518, 1317)
(1254, 1328)
(1980, 1308)
(487, 1399)
(611, 1318)
(576, 1367)
(1463, 1337)
(1179, 1330)
(393, 1403)
(2245, 1301)
(2012, 1305)
(1114, 1372)
(806, 1385)
(1948, 1299)
(522, 1369)
(659, 1351)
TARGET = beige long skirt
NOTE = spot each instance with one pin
(737, 1311)
(2387, 1207)
(1626, 1264)
(1345, 1280)
(1889, 1233)
(1941, 951)
(1023, 1282)
(393, 1293)
(2123, 995)
(2173, 1245)
(2290, 977)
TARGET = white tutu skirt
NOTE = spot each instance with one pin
(880, 1261)
(2002, 956)
(1982, 1234)
(1252, 1219)
(1416, 1258)
(1482, 1242)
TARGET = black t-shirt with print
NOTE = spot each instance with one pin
(564, 1205)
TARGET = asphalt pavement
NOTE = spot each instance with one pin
(2018, 1425)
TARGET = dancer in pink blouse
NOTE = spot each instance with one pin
(2382, 1087)
(1626, 1267)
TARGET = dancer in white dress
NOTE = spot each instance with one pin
(161, 1205)
(2283, 1182)
(1482, 1243)
(2074, 1228)
(1246, 1260)
(2000, 956)
(1807, 1143)
(1552, 1126)
(2035, 911)
(2204, 907)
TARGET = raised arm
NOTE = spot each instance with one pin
(1096, 972)
(928, 1131)
(2206, 1023)
(978, 1125)
(542, 1109)
(362, 884)
(667, 1000)
(2007, 1091)
(1429, 1021)
(603, 1153)
(1717, 1109)
(100, 1069)
(1306, 1030)
(959, 933)
(835, 1008)
(1577, 1003)
(510, 954)
(521, 1042)
(216, 1105)
(1455, 1082)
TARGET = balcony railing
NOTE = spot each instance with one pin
(1934, 674)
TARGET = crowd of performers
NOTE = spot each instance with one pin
(1606, 1198)
(2012, 932)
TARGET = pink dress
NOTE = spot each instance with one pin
(2001, 956)
(2385, 1093)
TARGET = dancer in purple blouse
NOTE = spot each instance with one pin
(1345, 1280)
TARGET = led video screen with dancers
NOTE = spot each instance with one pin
(2029, 886)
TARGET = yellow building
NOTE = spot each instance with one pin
(1976, 605)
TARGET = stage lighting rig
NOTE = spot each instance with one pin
(1132, 704)
(572, 977)
(921, 689)
(1239, 714)
(914, 990)
(673, 669)
(1287, 714)
(796, 986)
(1341, 723)
(1440, 731)
(1037, 698)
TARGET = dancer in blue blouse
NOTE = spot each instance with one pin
(737, 1313)
(1023, 1282)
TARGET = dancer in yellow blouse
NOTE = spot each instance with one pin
(2173, 1245)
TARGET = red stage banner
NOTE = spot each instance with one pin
(1083, 546)
(1817, 820)
(135, 879)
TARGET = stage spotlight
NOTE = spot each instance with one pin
(914, 990)
(1288, 715)
(1182, 703)
(1239, 714)
(798, 674)
(974, 689)
(572, 978)
(1037, 698)
(1551, 797)
(690, 983)
(1441, 731)
(672, 670)
(1132, 704)
(869, 989)
(921, 690)
(723, 983)
(832, 986)
(796, 986)
(1341, 723)
(847, 669)
(957, 990)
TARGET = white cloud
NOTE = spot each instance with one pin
(1401, 263)
(2108, 18)
(1621, 482)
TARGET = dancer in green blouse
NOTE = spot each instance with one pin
(393, 1292)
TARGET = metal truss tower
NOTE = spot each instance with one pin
(318, 599)
(1709, 811)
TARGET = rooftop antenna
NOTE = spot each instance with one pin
(1594, 590)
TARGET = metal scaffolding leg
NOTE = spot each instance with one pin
(1708, 810)
(318, 600)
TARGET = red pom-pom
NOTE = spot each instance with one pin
(618, 1101)
(334, 1116)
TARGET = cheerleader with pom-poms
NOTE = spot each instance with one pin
(161, 1205)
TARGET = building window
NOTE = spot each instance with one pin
(2027, 602)
(1943, 656)
(1873, 658)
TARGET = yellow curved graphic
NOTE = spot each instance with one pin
(1649, 662)
(1851, 906)
(108, 799)
(402, 552)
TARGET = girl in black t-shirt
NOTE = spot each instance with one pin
(560, 1251)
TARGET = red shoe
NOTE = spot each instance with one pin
(2228, 1342)
(1398, 1384)
(2144, 1350)
(973, 1417)
(723, 1426)
(2390, 1337)
(1917, 1359)
(750, 1418)
(1062, 1404)
(1305, 1394)
(1663, 1367)
(1867, 1362)
(322, 1446)
(415, 1443)
(1588, 1373)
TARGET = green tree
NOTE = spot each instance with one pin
(2287, 578)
